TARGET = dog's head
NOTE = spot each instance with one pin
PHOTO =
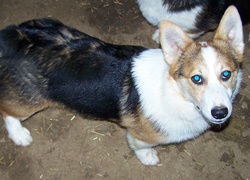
(207, 73)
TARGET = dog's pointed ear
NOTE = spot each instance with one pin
(173, 41)
(230, 29)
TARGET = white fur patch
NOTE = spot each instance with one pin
(147, 157)
(143, 151)
(215, 94)
(238, 84)
(154, 12)
(19, 134)
(161, 101)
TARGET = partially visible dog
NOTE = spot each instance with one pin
(161, 96)
(195, 17)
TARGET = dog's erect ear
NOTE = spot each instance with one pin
(173, 41)
(230, 29)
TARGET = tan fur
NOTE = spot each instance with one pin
(170, 29)
(20, 110)
(229, 20)
(141, 128)
(231, 59)
(187, 60)
(173, 52)
(194, 64)
(192, 57)
(231, 56)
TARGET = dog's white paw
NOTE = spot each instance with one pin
(147, 157)
(21, 136)
(156, 36)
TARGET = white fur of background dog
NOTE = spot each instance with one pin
(193, 16)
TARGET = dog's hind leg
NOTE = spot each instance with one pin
(13, 112)
(19, 134)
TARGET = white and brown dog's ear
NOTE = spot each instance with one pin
(230, 29)
(173, 41)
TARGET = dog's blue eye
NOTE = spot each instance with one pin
(225, 75)
(197, 79)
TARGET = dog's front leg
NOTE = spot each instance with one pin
(143, 151)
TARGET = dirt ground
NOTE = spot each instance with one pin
(67, 146)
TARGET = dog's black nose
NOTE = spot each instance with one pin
(219, 112)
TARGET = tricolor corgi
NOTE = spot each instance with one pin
(195, 17)
(160, 96)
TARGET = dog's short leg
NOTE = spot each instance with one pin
(144, 151)
(19, 134)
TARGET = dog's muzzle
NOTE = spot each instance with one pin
(219, 113)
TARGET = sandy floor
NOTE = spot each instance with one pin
(66, 146)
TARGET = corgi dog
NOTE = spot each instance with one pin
(195, 17)
(160, 96)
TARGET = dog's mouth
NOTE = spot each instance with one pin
(219, 127)
(218, 122)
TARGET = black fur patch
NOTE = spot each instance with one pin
(46, 59)
(213, 10)
(181, 5)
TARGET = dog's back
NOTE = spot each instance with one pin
(44, 59)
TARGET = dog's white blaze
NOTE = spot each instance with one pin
(215, 93)
(161, 101)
